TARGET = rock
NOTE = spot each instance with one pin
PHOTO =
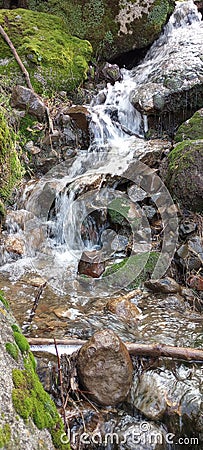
(80, 115)
(124, 309)
(165, 285)
(24, 98)
(149, 211)
(91, 265)
(149, 396)
(136, 193)
(184, 174)
(16, 220)
(196, 282)
(187, 228)
(105, 369)
(115, 27)
(191, 129)
(111, 72)
(14, 244)
(25, 407)
(175, 78)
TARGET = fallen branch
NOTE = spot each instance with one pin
(17, 57)
(153, 350)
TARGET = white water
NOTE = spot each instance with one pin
(118, 131)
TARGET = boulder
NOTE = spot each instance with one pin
(173, 87)
(113, 27)
(26, 99)
(29, 418)
(184, 174)
(111, 72)
(105, 369)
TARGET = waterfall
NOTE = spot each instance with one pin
(117, 131)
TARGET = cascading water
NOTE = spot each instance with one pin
(52, 239)
(56, 221)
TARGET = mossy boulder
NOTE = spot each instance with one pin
(29, 417)
(11, 170)
(184, 174)
(54, 59)
(191, 129)
(113, 27)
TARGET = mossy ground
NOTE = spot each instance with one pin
(3, 300)
(54, 59)
(11, 170)
(29, 397)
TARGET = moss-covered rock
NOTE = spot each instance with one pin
(113, 27)
(11, 170)
(149, 259)
(54, 59)
(184, 174)
(5, 435)
(191, 129)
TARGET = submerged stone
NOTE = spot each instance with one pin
(105, 369)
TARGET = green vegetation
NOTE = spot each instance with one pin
(12, 349)
(31, 400)
(148, 260)
(191, 129)
(5, 435)
(181, 156)
(54, 59)
(11, 170)
(4, 301)
(21, 341)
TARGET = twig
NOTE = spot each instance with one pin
(17, 57)
(61, 386)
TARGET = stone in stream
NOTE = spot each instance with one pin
(165, 285)
(91, 265)
(124, 309)
(105, 369)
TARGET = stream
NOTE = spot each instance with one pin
(66, 217)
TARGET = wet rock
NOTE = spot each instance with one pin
(80, 115)
(111, 72)
(149, 396)
(91, 265)
(184, 174)
(174, 78)
(150, 211)
(17, 219)
(105, 368)
(24, 98)
(165, 285)
(15, 244)
(136, 193)
(196, 282)
(187, 228)
(124, 309)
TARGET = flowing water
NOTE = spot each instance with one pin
(55, 221)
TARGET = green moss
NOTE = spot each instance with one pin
(21, 341)
(136, 261)
(16, 328)
(12, 349)
(118, 210)
(5, 435)
(191, 129)
(181, 156)
(55, 59)
(4, 301)
(11, 170)
(31, 400)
